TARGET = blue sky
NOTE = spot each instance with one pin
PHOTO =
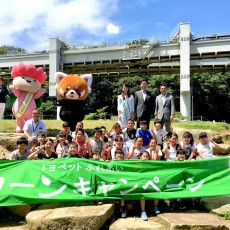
(30, 24)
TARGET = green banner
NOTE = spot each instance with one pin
(73, 179)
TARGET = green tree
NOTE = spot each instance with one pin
(12, 50)
(211, 96)
(210, 93)
(102, 93)
(48, 107)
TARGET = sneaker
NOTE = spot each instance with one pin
(182, 207)
(156, 210)
(144, 216)
(123, 212)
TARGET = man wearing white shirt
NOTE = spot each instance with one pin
(143, 104)
(164, 107)
(33, 127)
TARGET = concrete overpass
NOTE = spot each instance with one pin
(180, 53)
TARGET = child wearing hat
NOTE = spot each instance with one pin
(66, 130)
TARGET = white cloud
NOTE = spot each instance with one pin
(112, 29)
(30, 24)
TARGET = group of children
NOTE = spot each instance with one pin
(118, 144)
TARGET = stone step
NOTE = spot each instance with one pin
(64, 216)
(136, 223)
(173, 221)
(21, 227)
(82, 217)
(194, 221)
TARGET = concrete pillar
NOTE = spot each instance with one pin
(185, 89)
(54, 58)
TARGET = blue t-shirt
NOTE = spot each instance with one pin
(145, 134)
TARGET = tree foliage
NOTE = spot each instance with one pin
(11, 50)
(210, 94)
(48, 107)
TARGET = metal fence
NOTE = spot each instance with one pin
(200, 118)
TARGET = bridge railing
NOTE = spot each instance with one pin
(212, 37)
(132, 54)
(201, 118)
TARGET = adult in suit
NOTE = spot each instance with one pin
(164, 107)
(3, 93)
(143, 104)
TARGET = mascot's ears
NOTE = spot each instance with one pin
(87, 77)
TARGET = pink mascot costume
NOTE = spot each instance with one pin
(27, 82)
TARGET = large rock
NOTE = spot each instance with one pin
(225, 149)
(194, 132)
(84, 217)
(8, 140)
(194, 221)
(20, 227)
(218, 205)
(218, 139)
(4, 153)
(136, 223)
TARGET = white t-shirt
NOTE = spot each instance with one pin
(34, 128)
(172, 153)
(62, 150)
(206, 150)
(136, 152)
(154, 152)
(124, 149)
(113, 136)
(159, 135)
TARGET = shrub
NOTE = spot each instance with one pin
(99, 114)
(227, 215)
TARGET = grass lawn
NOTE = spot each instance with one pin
(54, 126)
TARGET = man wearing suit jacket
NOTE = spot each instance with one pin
(164, 107)
(3, 93)
(143, 104)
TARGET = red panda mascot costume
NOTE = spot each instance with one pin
(72, 90)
